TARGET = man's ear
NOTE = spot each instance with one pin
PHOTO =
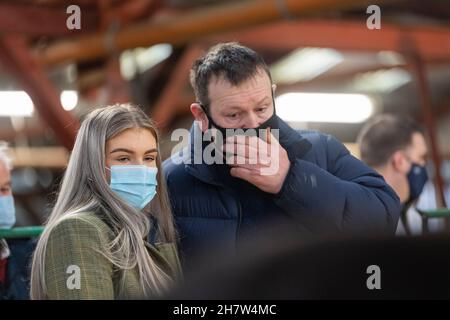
(199, 115)
(274, 88)
(399, 162)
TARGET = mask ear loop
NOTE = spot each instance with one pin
(211, 122)
(90, 179)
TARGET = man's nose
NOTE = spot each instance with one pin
(252, 121)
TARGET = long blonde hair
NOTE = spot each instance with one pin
(84, 188)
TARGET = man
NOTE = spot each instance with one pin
(318, 185)
(14, 255)
(395, 147)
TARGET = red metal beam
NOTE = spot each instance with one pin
(193, 25)
(165, 110)
(129, 11)
(433, 43)
(29, 73)
(43, 21)
(116, 86)
(336, 78)
(419, 72)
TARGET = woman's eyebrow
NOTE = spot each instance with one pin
(122, 150)
(131, 151)
(7, 184)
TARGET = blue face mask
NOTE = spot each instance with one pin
(7, 212)
(417, 177)
(135, 184)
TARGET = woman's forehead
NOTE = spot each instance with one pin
(136, 138)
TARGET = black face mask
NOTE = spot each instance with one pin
(259, 131)
(417, 177)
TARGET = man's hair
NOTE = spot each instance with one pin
(232, 61)
(385, 134)
(4, 156)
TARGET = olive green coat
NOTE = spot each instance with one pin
(74, 249)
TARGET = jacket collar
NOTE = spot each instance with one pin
(291, 140)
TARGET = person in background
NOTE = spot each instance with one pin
(395, 146)
(15, 254)
(110, 234)
(317, 185)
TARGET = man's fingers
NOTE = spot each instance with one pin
(259, 146)
(246, 151)
(240, 160)
(253, 148)
(250, 163)
(245, 174)
(245, 140)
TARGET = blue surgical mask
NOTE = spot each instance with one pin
(417, 177)
(7, 212)
(135, 184)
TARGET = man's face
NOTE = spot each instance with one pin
(244, 106)
(417, 151)
(5, 180)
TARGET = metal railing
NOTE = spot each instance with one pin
(427, 214)
(21, 232)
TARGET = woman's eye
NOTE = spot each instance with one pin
(124, 159)
(149, 158)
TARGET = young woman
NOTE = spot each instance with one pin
(111, 207)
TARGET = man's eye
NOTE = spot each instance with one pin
(262, 109)
(232, 116)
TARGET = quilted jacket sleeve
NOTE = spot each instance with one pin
(347, 195)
